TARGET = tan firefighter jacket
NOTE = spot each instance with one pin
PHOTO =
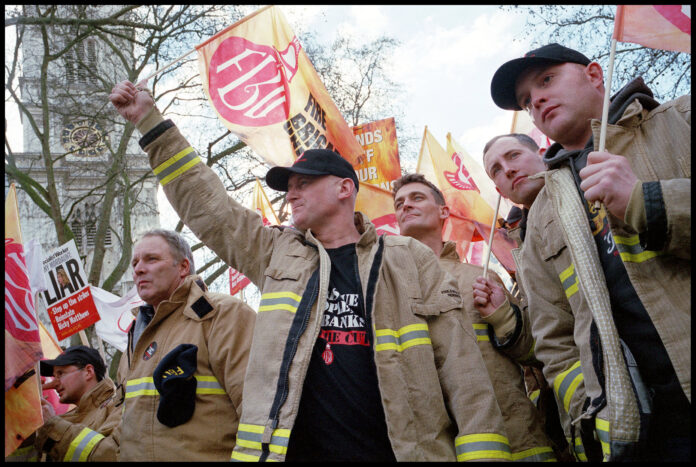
(435, 391)
(83, 433)
(563, 279)
(221, 326)
(523, 423)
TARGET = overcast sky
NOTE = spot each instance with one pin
(445, 62)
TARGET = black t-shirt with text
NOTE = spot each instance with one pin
(341, 417)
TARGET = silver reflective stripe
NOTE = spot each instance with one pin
(163, 174)
(401, 340)
(476, 446)
(568, 379)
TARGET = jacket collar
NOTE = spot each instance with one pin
(102, 391)
(188, 292)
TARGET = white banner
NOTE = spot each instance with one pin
(116, 315)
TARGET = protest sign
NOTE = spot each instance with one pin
(69, 301)
(381, 166)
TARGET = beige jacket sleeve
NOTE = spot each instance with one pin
(553, 326)
(236, 234)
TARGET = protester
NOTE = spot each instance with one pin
(513, 162)
(360, 351)
(181, 377)
(421, 212)
(83, 433)
(609, 305)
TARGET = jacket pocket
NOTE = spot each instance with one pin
(281, 274)
(553, 242)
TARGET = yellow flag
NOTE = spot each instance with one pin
(522, 123)
(262, 205)
(265, 90)
(452, 178)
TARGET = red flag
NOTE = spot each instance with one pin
(22, 340)
(265, 90)
(665, 27)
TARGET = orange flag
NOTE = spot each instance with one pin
(378, 205)
(381, 166)
(665, 27)
(265, 90)
(22, 340)
(470, 169)
(260, 204)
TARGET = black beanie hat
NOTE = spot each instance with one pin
(176, 384)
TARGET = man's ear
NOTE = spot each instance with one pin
(346, 188)
(594, 73)
(89, 370)
(498, 190)
(444, 212)
(541, 152)
(184, 267)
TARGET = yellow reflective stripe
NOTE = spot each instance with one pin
(82, 445)
(640, 257)
(540, 454)
(481, 332)
(279, 301)
(569, 280)
(565, 384)
(578, 449)
(176, 165)
(238, 456)
(146, 384)
(249, 436)
(25, 454)
(602, 427)
(631, 251)
(482, 446)
(208, 385)
(534, 396)
(389, 339)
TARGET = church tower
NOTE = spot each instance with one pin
(67, 96)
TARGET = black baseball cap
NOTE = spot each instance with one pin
(505, 78)
(77, 354)
(312, 162)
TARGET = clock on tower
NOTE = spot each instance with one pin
(84, 138)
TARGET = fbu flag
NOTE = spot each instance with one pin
(265, 90)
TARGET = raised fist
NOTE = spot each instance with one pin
(131, 101)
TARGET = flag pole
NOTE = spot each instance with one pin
(605, 105)
(490, 238)
(156, 72)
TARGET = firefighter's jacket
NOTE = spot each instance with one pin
(83, 433)
(221, 327)
(436, 394)
(523, 424)
(565, 286)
